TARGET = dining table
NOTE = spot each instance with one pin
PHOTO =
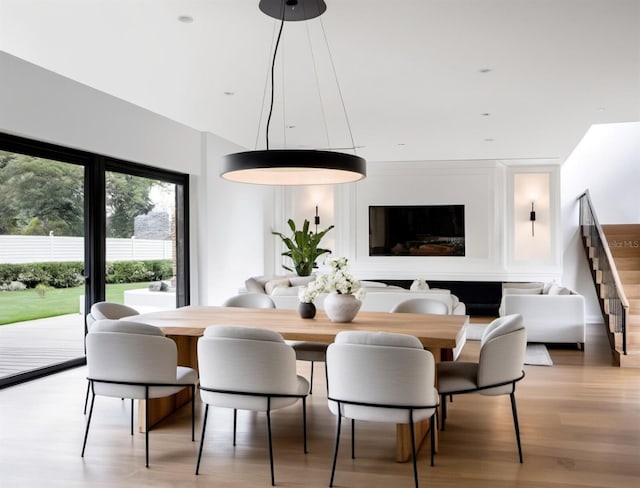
(439, 334)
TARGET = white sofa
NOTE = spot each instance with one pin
(551, 313)
(380, 297)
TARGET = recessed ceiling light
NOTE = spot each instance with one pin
(229, 93)
(485, 114)
(601, 109)
(488, 139)
(291, 126)
(401, 144)
(185, 19)
(485, 70)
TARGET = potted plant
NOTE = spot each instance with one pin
(303, 247)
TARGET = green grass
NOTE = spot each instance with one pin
(17, 306)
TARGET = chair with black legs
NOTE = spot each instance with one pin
(246, 368)
(499, 368)
(136, 361)
(381, 377)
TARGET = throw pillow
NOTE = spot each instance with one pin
(273, 284)
(559, 290)
(419, 285)
(253, 286)
(547, 286)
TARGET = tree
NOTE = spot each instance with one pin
(127, 197)
(39, 196)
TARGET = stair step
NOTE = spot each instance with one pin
(629, 276)
(632, 291)
(624, 252)
(634, 305)
(633, 321)
(621, 229)
(627, 263)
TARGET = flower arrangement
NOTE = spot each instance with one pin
(338, 280)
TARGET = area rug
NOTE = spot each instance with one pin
(536, 354)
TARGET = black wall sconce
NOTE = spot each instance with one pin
(532, 218)
(317, 219)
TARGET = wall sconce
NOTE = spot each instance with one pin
(532, 218)
(317, 219)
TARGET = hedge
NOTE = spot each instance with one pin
(69, 274)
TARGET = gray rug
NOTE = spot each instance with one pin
(536, 354)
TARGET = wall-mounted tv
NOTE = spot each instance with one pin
(417, 230)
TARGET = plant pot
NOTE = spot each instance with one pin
(307, 310)
(341, 308)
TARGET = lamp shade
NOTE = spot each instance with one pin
(293, 167)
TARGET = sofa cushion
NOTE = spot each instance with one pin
(301, 280)
(419, 285)
(522, 291)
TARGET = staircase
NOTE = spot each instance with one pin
(614, 255)
(624, 244)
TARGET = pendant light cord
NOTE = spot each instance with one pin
(273, 64)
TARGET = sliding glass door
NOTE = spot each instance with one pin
(77, 228)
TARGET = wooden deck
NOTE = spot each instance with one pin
(36, 344)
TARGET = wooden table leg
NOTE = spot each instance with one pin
(160, 408)
(421, 429)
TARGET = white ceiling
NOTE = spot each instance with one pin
(411, 72)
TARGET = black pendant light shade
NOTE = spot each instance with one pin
(293, 167)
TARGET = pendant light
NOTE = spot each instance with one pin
(293, 166)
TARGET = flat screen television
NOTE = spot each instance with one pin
(416, 230)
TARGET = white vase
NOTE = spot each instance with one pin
(341, 308)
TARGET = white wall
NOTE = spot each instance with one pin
(42, 105)
(607, 163)
(480, 185)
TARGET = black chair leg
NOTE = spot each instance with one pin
(335, 448)
(433, 427)
(86, 398)
(204, 428)
(311, 380)
(193, 413)
(514, 409)
(86, 432)
(413, 448)
(353, 438)
(146, 425)
(443, 402)
(273, 477)
(304, 422)
(132, 416)
(235, 423)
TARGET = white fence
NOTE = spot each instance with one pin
(31, 249)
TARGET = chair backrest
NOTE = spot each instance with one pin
(118, 350)
(250, 300)
(502, 348)
(421, 305)
(111, 310)
(245, 359)
(380, 368)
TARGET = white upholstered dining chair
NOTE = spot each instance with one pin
(499, 368)
(381, 377)
(102, 311)
(246, 368)
(136, 361)
(249, 300)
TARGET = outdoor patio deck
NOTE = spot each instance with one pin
(37, 344)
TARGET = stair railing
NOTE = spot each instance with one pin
(617, 303)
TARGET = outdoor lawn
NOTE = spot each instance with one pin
(17, 306)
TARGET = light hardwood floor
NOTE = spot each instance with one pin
(579, 426)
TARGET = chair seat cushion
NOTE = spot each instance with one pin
(454, 376)
(186, 376)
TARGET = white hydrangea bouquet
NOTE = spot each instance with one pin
(337, 280)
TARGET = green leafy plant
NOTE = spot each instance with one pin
(303, 247)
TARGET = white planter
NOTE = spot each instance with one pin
(341, 308)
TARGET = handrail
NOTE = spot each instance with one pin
(618, 303)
